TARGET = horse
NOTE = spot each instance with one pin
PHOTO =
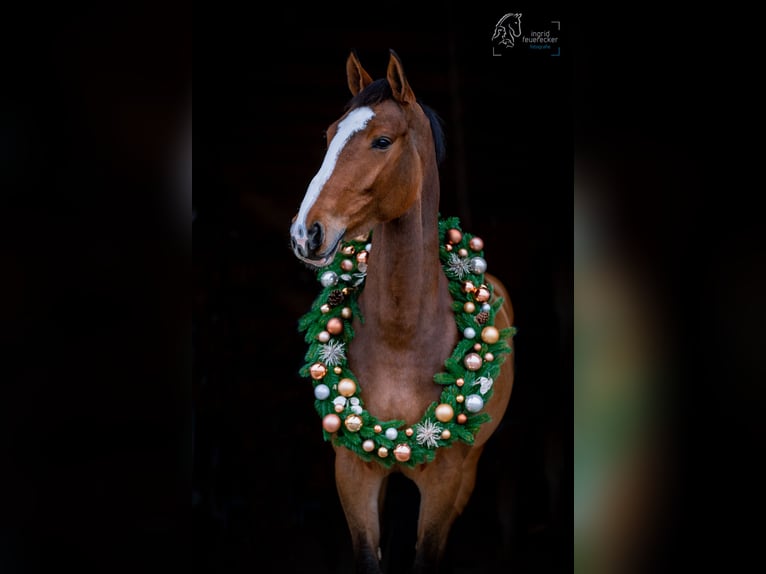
(380, 180)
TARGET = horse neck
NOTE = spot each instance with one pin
(405, 288)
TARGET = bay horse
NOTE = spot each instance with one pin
(380, 179)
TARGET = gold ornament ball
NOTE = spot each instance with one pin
(317, 371)
(361, 257)
(402, 452)
(335, 326)
(482, 294)
(468, 287)
(323, 336)
(345, 312)
(446, 434)
(461, 418)
(331, 423)
(460, 398)
(409, 431)
(454, 235)
(463, 252)
(472, 361)
(444, 412)
(377, 428)
(325, 308)
(347, 250)
(469, 307)
(460, 382)
(353, 423)
(490, 335)
(346, 387)
(476, 244)
(337, 370)
(489, 357)
(368, 445)
(382, 452)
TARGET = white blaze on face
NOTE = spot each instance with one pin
(355, 121)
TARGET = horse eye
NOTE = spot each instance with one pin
(381, 143)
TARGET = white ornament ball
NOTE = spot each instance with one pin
(486, 307)
(368, 445)
(474, 403)
(321, 392)
(323, 336)
(469, 332)
(328, 278)
(391, 433)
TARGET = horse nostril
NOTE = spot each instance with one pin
(293, 243)
(315, 237)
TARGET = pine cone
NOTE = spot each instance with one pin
(482, 317)
(335, 298)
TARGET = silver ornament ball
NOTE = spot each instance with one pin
(477, 265)
(321, 392)
(328, 278)
(474, 403)
(391, 433)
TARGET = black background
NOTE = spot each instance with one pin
(264, 496)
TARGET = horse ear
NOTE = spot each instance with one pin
(398, 81)
(358, 78)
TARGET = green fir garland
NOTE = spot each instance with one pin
(468, 375)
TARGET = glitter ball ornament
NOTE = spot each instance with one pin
(444, 412)
(474, 403)
(317, 371)
(402, 452)
(368, 445)
(328, 278)
(472, 361)
(331, 423)
(321, 392)
(346, 387)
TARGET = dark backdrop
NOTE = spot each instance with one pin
(264, 498)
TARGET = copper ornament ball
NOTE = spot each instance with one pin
(461, 418)
(335, 326)
(347, 265)
(402, 452)
(476, 244)
(317, 371)
(382, 452)
(331, 423)
(454, 235)
(482, 294)
(472, 361)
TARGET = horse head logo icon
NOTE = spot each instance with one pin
(506, 29)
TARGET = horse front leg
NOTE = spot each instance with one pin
(359, 488)
(445, 487)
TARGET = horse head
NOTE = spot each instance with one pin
(377, 153)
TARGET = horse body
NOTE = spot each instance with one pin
(384, 179)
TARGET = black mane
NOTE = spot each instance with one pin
(379, 91)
